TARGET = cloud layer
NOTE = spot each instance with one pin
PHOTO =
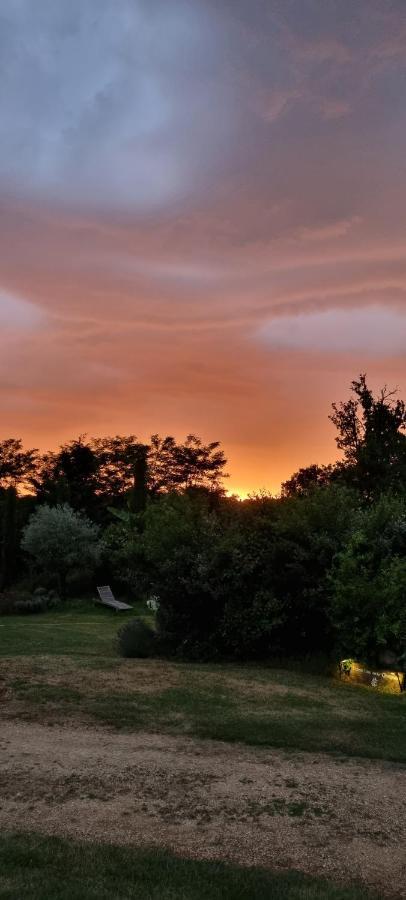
(368, 331)
(202, 220)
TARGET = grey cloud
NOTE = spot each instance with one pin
(140, 105)
(113, 104)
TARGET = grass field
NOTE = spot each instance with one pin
(73, 871)
(61, 669)
(64, 665)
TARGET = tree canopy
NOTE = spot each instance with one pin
(319, 569)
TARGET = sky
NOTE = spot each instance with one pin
(202, 220)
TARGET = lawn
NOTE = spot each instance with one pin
(64, 666)
(81, 629)
(40, 868)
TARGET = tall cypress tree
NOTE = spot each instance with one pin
(9, 536)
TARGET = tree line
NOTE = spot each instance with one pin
(319, 569)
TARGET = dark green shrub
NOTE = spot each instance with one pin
(49, 598)
(246, 582)
(52, 599)
(11, 599)
(27, 602)
(368, 585)
(136, 640)
(30, 607)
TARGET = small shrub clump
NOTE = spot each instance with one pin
(136, 640)
(29, 607)
(23, 602)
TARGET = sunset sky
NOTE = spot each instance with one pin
(202, 220)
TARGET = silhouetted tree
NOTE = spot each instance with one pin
(8, 536)
(306, 479)
(140, 488)
(69, 476)
(117, 458)
(191, 464)
(17, 466)
(371, 436)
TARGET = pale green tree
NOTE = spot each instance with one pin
(61, 541)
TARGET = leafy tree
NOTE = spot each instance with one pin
(95, 474)
(128, 466)
(61, 541)
(70, 476)
(117, 458)
(368, 584)
(241, 580)
(306, 479)
(295, 541)
(179, 467)
(17, 466)
(179, 543)
(78, 465)
(372, 439)
(191, 555)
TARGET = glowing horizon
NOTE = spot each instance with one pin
(202, 224)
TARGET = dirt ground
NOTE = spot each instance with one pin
(337, 817)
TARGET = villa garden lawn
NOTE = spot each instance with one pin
(191, 774)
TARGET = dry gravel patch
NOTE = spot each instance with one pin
(344, 818)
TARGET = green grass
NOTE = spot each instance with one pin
(250, 704)
(40, 868)
(352, 724)
(80, 628)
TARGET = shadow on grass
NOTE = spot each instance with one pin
(41, 868)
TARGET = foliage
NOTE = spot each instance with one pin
(245, 581)
(16, 465)
(306, 479)
(321, 568)
(371, 436)
(21, 601)
(368, 584)
(179, 542)
(91, 474)
(178, 467)
(307, 534)
(30, 606)
(69, 476)
(136, 639)
(61, 541)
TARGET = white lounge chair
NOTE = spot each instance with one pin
(107, 598)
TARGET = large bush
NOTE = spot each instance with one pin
(305, 537)
(61, 542)
(368, 584)
(242, 580)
